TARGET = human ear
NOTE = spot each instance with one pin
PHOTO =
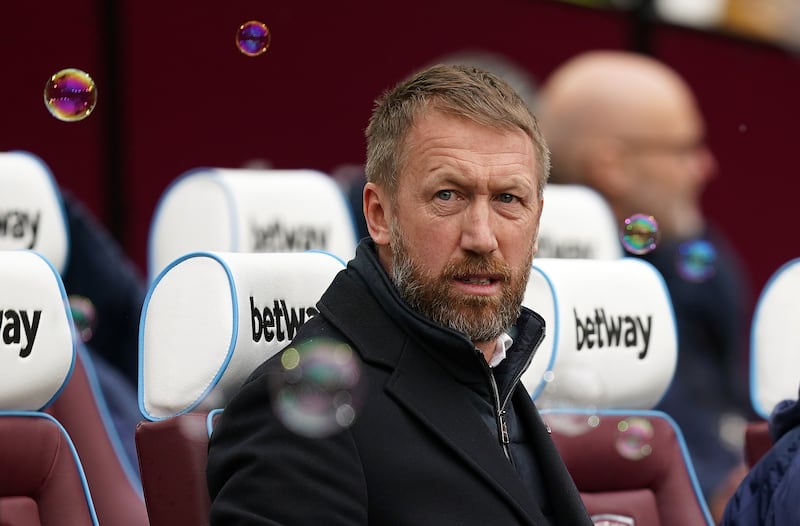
(375, 213)
(606, 169)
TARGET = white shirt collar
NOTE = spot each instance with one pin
(502, 344)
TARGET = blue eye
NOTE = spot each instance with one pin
(506, 198)
(444, 195)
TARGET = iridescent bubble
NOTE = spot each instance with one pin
(633, 440)
(84, 316)
(639, 234)
(253, 38)
(696, 260)
(319, 390)
(70, 95)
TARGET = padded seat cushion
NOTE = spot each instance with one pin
(39, 462)
(628, 452)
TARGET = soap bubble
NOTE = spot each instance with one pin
(70, 95)
(696, 260)
(318, 391)
(84, 316)
(633, 440)
(639, 234)
(253, 38)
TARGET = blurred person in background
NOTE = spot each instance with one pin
(770, 493)
(106, 293)
(629, 126)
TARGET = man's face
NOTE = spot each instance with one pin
(463, 228)
(670, 167)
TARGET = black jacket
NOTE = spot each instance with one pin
(425, 447)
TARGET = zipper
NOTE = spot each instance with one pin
(500, 413)
(499, 406)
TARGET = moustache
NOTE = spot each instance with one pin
(477, 265)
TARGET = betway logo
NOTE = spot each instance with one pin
(276, 237)
(19, 225)
(16, 324)
(602, 330)
(279, 322)
(551, 248)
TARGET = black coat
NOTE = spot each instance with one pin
(419, 451)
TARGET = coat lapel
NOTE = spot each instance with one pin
(566, 502)
(423, 387)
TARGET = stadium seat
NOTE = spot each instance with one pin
(577, 222)
(608, 357)
(32, 214)
(209, 320)
(244, 210)
(42, 482)
(774, 360)
(32, 218)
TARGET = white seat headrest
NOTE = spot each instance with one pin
(37, 345)
(242, 210)
(577, 222)
(611, 339)
(775, 341)
(209, 319)
(31, 209)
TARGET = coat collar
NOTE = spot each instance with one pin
(425, 359)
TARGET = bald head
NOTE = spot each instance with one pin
(599, 107)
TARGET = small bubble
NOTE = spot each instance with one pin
(70, 95)
(84, 316)
(253, 38)
(639, 234)
(570, 423)
(319, 390)
(633, 440)
(696, 260)
(743, 128)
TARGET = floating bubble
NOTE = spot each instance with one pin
(571, 422)
(639, 234)
(696, 260)
(253, 38)
(70, 95)
(319, 390)
(84, 316)
(633, 441)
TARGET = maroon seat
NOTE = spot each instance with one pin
(172, 460)
(630, 465)
(191, 364)
(41, 480)
(757, 441)
(117, 497)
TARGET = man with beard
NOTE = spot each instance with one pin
(431, 307)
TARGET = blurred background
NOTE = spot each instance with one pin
(175, 93)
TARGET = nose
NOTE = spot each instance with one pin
(477, 233)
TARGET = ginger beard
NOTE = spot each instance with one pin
(480, 318)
